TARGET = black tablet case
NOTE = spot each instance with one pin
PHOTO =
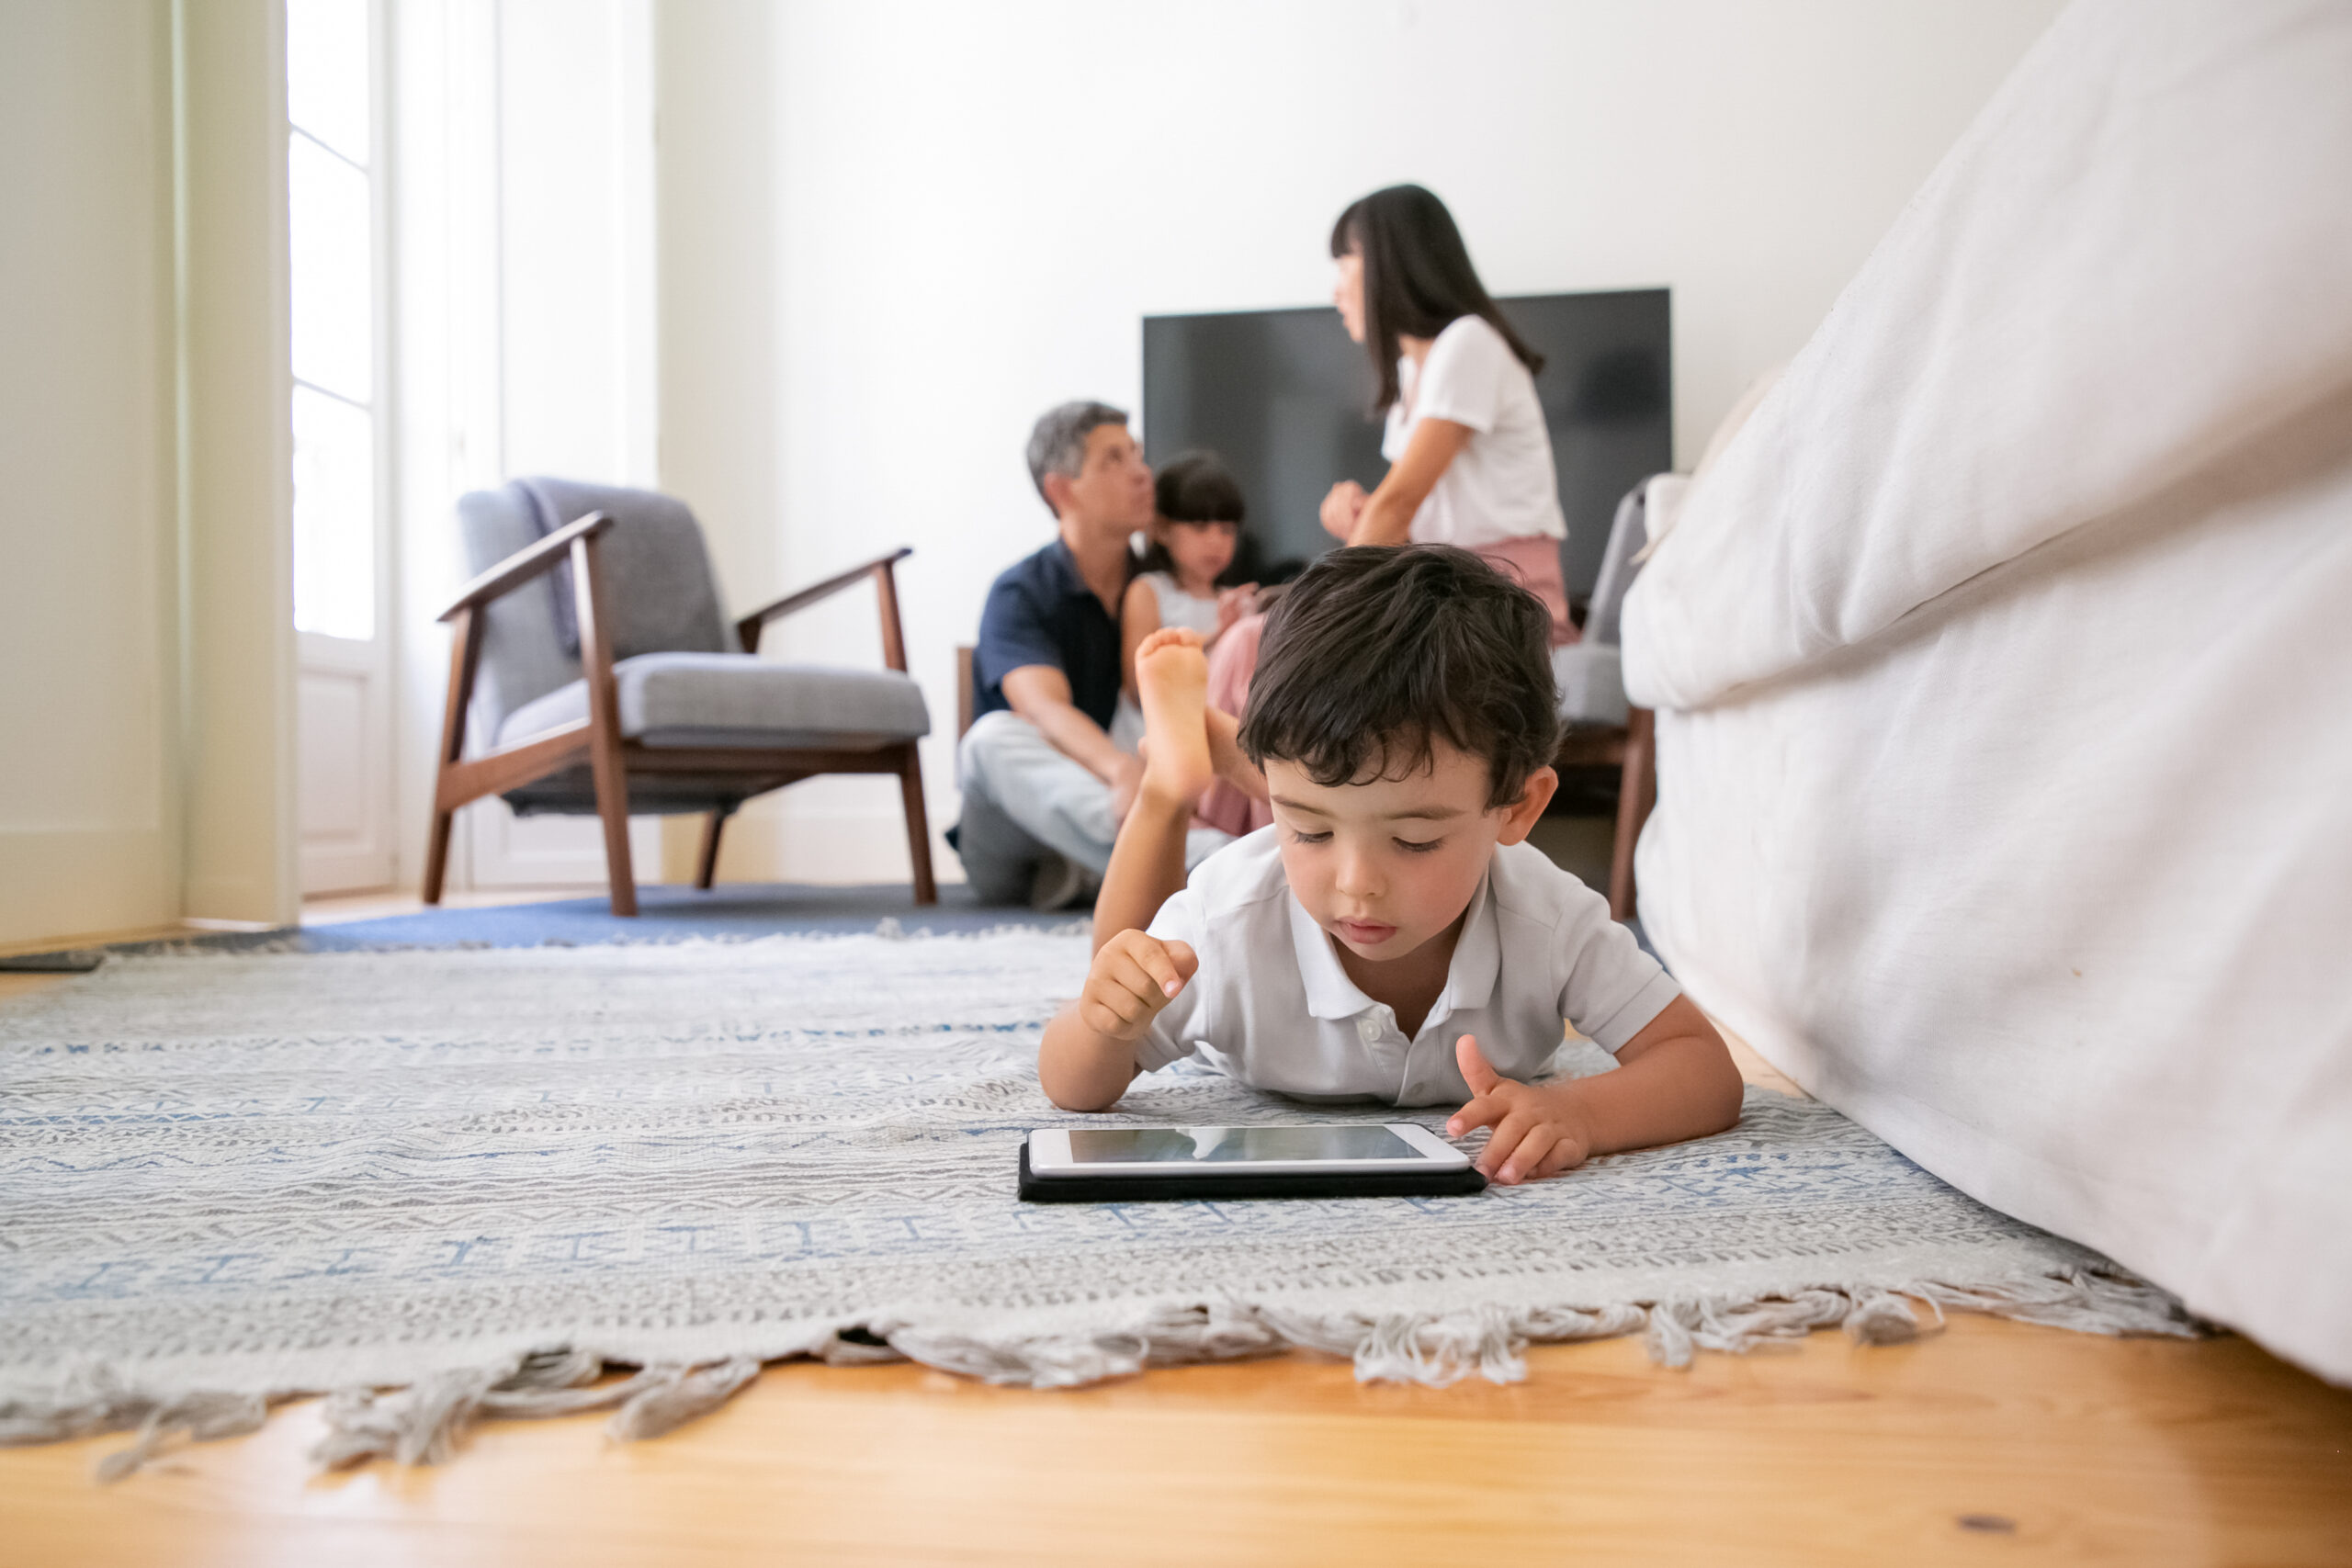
(1190, 1185)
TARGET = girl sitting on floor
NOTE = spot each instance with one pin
(1195, 530)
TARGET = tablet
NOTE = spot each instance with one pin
(1296, 1160)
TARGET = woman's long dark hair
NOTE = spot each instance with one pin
(1417, 278)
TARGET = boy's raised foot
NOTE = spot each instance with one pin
(1172, 687)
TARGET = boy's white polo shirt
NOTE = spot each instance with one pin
(1271, 1007)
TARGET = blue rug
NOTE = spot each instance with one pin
(735, 911)
(732, 911)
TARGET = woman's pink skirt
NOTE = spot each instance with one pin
(1534, 561)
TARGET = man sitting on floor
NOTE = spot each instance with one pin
(1045, 783)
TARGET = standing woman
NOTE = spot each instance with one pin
(1470, 460)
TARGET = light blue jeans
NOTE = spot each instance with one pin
(1022, 797)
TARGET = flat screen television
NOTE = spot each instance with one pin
(1285, 399)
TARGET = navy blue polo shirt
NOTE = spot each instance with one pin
(1041, 611)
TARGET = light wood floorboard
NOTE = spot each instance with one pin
(1990, 1443)
(177, 931)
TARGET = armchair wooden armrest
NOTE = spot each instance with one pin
(597, 736)
(525, 564)
(886, 585)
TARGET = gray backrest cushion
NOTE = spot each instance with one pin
(658, 583)
(1628, 532)
(659, 590)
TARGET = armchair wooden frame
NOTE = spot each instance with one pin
(611, 757)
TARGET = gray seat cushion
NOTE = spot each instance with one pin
(734, 699)
(1591, 680)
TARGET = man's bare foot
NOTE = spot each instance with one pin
(1172, 687)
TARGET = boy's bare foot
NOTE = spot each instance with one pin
(1172, 687)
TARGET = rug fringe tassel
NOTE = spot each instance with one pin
(1436, 1349)
(423, 1422)
(675, 1400)
(420, 1424)
(92, 1399)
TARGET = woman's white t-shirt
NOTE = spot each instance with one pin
(1501, 485)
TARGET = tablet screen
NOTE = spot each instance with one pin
(1178, 1145)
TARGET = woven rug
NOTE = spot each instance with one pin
(440, 1185)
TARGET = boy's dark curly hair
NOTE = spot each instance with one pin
(1378, 650)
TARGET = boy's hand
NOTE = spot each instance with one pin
(1538, 1132)
(1134, 974)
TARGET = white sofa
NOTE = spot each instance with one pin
(2003, 669)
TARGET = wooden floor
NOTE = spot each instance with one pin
(1991, 1442)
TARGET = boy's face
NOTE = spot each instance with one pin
(1387, 864)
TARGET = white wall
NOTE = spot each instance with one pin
(145, 757)
(972, 206)
(236, 465)
(87, 688)
(722, 356)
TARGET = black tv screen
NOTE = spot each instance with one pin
(1285, 399)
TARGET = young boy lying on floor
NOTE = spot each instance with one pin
(1392, 936)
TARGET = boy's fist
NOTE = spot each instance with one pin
(1134, 974)
(1537, 1131)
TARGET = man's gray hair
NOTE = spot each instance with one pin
(1058, 444)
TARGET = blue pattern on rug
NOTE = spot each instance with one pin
(729, 912)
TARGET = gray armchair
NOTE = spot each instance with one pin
(613, 687)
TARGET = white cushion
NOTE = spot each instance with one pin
(2000, 671)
